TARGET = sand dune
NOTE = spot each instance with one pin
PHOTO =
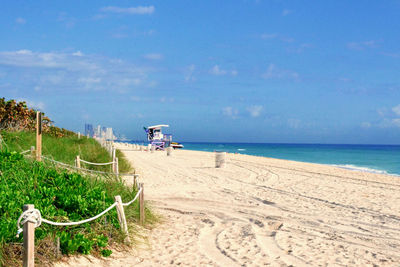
(261, 211)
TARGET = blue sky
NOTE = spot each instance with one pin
(234, 71)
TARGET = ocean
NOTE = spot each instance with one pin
(383, 159)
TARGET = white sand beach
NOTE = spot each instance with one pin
(261, 211)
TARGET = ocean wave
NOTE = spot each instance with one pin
(241, 149)
(363, 169)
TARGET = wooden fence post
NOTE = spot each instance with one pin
(78, 162)
(141, 204)
(135, 180)
(29, 240)
(121, 217)
(38, 136)
(116, 166)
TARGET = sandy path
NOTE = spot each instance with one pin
(260, 211)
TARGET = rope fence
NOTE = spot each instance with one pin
(31, 218)
(97, 164)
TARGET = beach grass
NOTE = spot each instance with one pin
(66, 148)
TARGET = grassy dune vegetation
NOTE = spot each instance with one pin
(61, 195)
(66, 148)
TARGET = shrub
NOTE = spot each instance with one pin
(60, 196)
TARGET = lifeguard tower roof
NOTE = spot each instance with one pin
(157, 126)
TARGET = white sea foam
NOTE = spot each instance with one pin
(241, 149)
(363, 169)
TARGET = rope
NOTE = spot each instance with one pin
(32, 216)
(80, 222)
(73, 167)
(133, 200)
(26, 151)
(98, 164)
(35, 216)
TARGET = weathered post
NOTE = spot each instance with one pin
(38, 136)
(135, 176)
(116, 166)
(141, 204)
(78, 162)
(79, 135)
(29, 240)
(113, 153)
(220, 159)
(153, 148)
(121, 217)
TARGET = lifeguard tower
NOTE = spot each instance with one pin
(156, 138)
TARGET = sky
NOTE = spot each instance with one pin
(215, 71)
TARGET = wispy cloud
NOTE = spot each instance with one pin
(393, 55)
(266, 36)
(20, 20)
(363, 45)
(73, 71)
(294, 123)
(33, 104)
(217, 70)
(274, 72)
(68, 21)
(153, 56)
(189, 73)
(396, 110)
(272, 36)
(300, 48)
(230, 112)
(286, 12)
(255, 110)
(139, 10)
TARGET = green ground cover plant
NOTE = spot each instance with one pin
(66, 148)
(61, 196)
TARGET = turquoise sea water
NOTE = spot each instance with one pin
(371, 158)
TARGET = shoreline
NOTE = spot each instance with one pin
(347, 166)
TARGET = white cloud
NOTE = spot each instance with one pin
(66, 20)
(89, 80)
(153, 56)
(294, 123)
(363, 45)
(20, 20)
(230, 112)
(189, 73)
(275, 73)
(33, 104)
(396, 122)
(286, 12)
(366, 125)
(140, 10)
(255, 110)
(267, 36)
(216, 70)
(74, 71)
(78, 54)
(396, 110)
(393, 55)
